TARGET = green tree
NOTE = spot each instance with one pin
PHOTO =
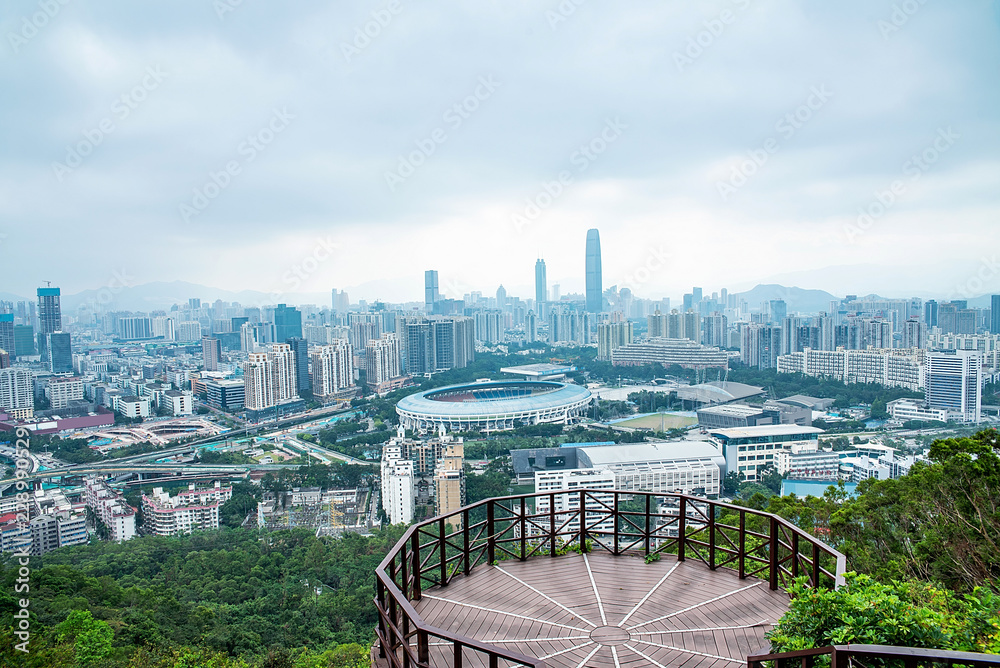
(91, 638)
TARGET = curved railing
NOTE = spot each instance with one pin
(844, 656)
(721, 535)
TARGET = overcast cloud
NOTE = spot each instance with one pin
(728, 143)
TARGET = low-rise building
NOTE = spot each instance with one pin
(111, 508)
(177, 402)
(190, 510)
(748, 449)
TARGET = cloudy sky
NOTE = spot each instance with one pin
(252, 145)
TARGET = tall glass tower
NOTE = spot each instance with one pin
(595, 285)
(541, 287)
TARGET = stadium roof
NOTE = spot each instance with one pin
(717, 392)
(474, 400)
(738, 410)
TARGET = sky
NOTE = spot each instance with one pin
(851, 146)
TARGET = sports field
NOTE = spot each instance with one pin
(658, 422)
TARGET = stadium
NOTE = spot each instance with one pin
(493, 405)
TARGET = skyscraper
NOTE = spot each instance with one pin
(49, 315)
(60, 352)
(7, 334)
(541, 289)
(595, 283)
(300, 352)
(953, 380)
(287, 322)
(431, 294)
(995, 314)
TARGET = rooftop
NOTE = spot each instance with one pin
(718, 392)
(766, 430)
(649, 452)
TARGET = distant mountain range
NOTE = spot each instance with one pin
(798, 300)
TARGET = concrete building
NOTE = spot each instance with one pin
(667, 352)
(748, 449)
(177, 402)
(611, 336)
(397, 486)
(382, 362)
(594, 280)
(884, 366)
(132, 406)
(211, 350)
(111, 508)
(682, 467)
(191, 510)
(61, 391)
(332, 370)
(449, 479)
(269, 378)
(736, 415)
(954, 381)
(17, 397)
(227, 395)
(570, 480)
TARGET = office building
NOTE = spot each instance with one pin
(778, 311)
(7, 342)
(612, 336)
(431, 294)
(680, 467)
(382, 362)
(17, 397)
(226, 395)
(287, 323)
(953, 381)
(931, 313)
(191, 510)
(211, 351)
(332, 370)
(60, 352)
(178, 403)
(24, 341)
(300, 351)
(594, 280)
(49, 315)
(748, 449)
(541, 288)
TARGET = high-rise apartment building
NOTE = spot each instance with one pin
(995, 314)
(397, 485)
(17, 392)
(760, 345)
(211, 352)
(594, 279)
(269, 377)
(449, 480)
(7, 342)
(332, 370)
(365, 327)
(382, 362)
(611, 336)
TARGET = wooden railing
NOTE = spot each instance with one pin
(867, 656)
(721, 535)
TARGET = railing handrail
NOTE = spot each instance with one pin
(911, 655)
(411, 539)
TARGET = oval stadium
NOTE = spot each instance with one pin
(493, 405)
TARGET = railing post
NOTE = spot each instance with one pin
(617, 520)
(583, 522)
(404, 640)
(815, 566)
(647, 538)
(552, 525)
(524, 530)
(774, 553)
(380, 588)
(681, 528)
(795, 554)
(465, 541)
(404, 571)
(457, 661)
(442, 543)
(711, 536)
(415, 568)
(423, 649)
(743, 544)
(491, 543)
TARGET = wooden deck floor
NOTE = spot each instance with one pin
(602, 610)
